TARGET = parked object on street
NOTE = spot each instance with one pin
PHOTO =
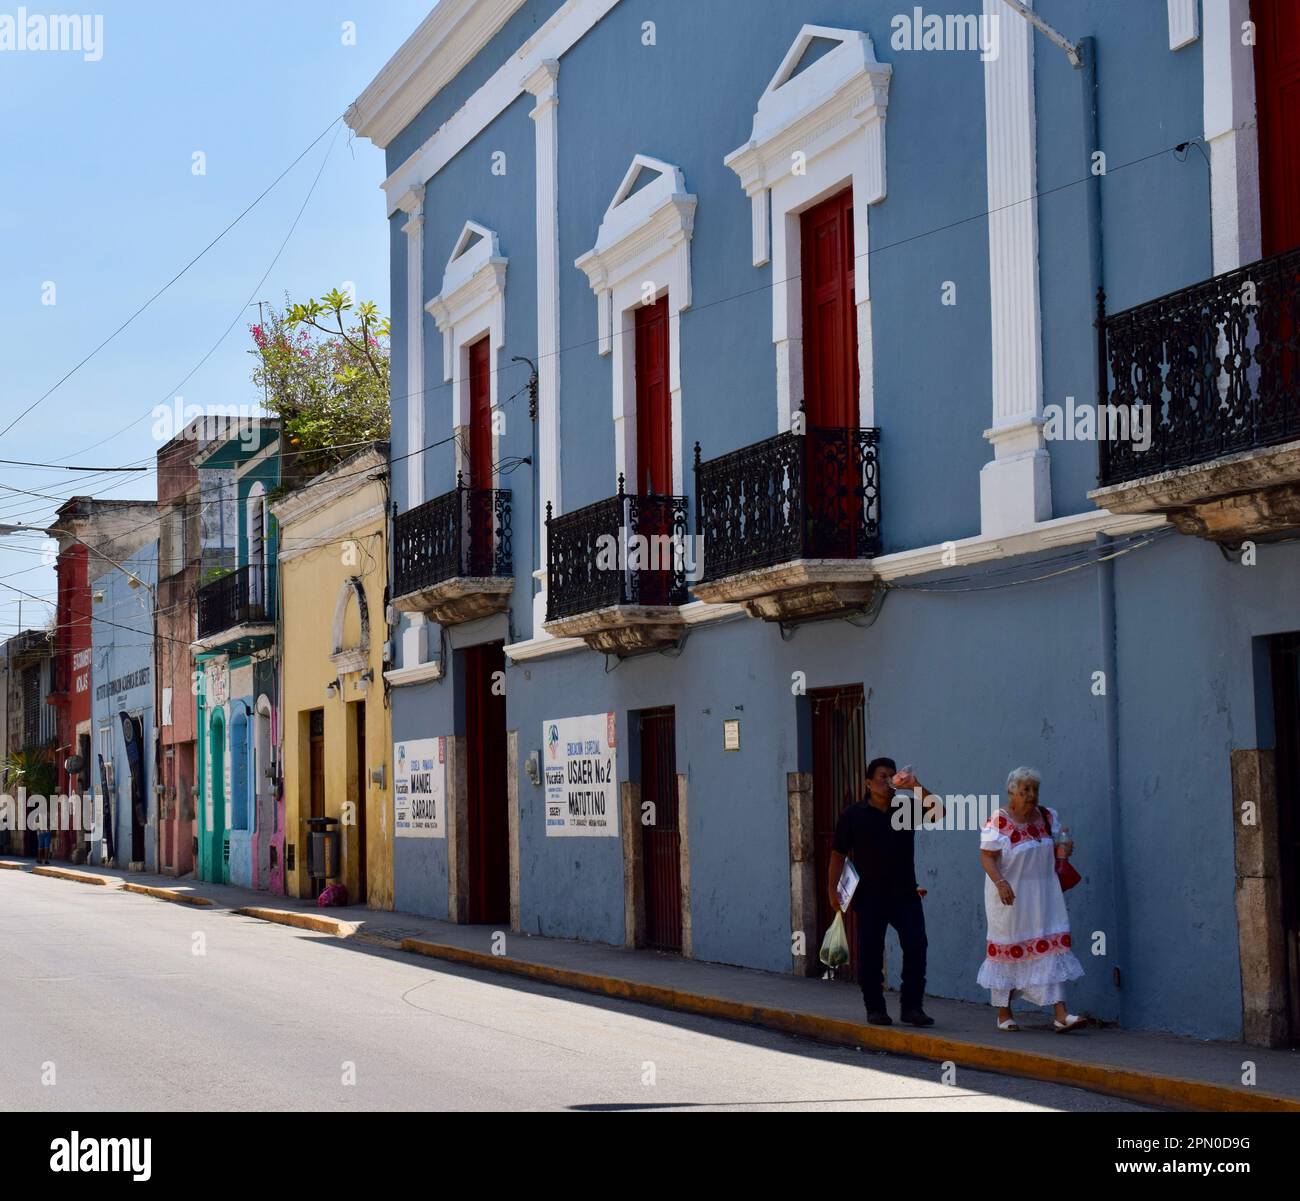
(332, 896)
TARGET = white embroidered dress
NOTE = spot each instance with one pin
(1028, 945)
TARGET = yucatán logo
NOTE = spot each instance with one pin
(78, 1154)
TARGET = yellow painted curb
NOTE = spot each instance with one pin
(8, 866)
(166, 894)
(304, 921)
(1145, 1087)
(63, 873)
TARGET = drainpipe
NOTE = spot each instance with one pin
(1106, 620)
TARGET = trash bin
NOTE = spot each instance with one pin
(323, 848)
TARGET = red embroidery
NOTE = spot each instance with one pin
(1033, 948)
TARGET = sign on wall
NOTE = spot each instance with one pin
(581, 776)
(420, 788)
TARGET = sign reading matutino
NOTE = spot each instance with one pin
(581, 776)
(420, 788)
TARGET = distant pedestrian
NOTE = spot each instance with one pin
(44, 839)
(1028, 954)
(882, 853)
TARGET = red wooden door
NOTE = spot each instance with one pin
(1277, 96)
(654, 446)
(480, 416)
(654, 413)
(839, 770)
(830, 322)
(661, 840)
(478, 522)
(830, 345)
(485, 778)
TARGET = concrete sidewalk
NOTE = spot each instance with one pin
(1155, 1069)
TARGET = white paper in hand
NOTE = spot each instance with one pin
(847, 885)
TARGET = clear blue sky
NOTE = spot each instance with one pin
(99, 197)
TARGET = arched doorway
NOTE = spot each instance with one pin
(217, 796)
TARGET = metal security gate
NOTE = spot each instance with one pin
(1286, 718)
(839, 769)
(661, 838)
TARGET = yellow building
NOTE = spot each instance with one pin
(337, 734)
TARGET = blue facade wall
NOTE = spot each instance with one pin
(964, 684)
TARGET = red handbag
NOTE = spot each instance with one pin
(1066, 872)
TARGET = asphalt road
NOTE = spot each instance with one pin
(111, 1001)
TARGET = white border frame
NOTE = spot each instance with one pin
(642, 251)
(471, 305)
(832, 114)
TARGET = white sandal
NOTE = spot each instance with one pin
(1010, 1024)
(1072, 1022)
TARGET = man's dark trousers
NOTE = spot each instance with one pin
(903, 911)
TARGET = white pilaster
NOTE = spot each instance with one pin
(1232, 135)
(1015, 487)
(543, 84)
(412, 203)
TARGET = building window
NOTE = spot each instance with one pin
(640, 271)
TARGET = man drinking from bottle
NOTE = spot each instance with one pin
(886, 895)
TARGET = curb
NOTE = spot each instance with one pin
(166, 894)
(63, 873)
(7, 865)
(1173, 1092)
(303, 921)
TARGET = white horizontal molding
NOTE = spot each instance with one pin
(422, 673)
(844, 94)
(444, 44)
(568, 25)
(1060, 531)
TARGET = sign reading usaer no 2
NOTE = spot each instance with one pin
(581, 776)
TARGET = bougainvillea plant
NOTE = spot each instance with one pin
(323, 367)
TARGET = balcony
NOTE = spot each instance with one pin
(616, 572)
(452, 556)
(789, 525)
(237, 607)
(1216, 369)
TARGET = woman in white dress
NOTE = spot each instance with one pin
(1028, 952)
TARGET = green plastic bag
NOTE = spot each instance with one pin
(835, 946)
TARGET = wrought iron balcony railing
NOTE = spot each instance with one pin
(464, 532)
(792, 496)
(626, 550)
(237, 598)
(1215, 369)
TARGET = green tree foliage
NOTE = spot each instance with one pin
(324, 368)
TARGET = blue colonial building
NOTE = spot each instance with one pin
(125, 729)
(832, 301)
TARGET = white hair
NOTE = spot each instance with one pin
(1021, 775)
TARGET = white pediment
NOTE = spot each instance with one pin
(806, 114)
(646, 229)
(847, 82)
(633, 208)
(474, 272)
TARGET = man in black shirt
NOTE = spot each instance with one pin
(882, 852)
